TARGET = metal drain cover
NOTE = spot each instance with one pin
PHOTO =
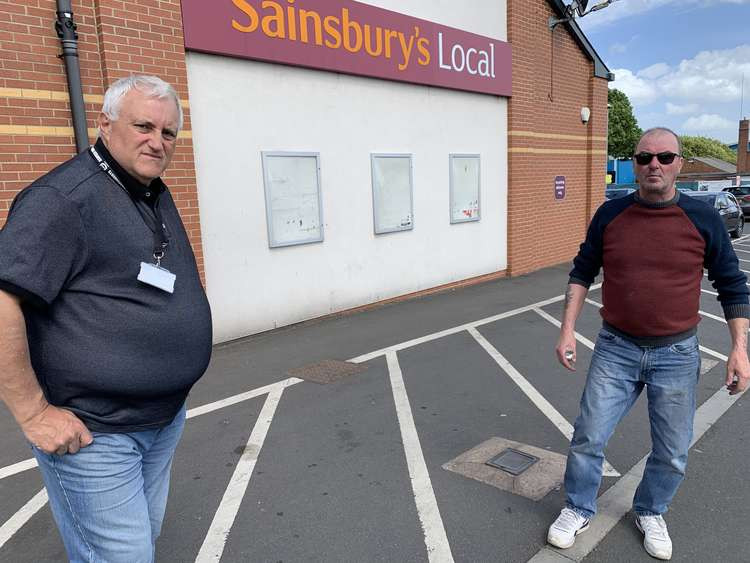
(534, 483)
(513, 461)
(326, 371)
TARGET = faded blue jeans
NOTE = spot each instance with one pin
(109, 498)
(618, 373)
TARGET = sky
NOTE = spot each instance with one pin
(680, 62)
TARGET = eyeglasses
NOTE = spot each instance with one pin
(644, 158)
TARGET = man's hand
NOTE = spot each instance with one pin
(738, 367)
(57, 431)
(566, 350)
(566, 344)
(738, 371)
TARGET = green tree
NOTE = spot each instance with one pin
(623, 126)
(705, 146)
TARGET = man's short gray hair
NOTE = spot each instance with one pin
(151, 86)
(663, 130)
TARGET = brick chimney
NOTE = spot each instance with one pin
(743, 152)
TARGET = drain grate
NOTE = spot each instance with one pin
(326, 371)
(513, 461)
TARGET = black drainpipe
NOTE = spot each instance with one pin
(66, 31)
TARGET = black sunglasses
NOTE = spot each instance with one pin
(644, 158)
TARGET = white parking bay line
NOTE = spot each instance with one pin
(617, 501)
(38, 501)
(20, 518)
(528, 389)
(435, 538)
(30, 463)
(460, 328)
(234, 399)
(607, 469)
(19, 467)
(579, 337)
(216, 538)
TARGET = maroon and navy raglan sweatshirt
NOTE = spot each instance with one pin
(653, 256)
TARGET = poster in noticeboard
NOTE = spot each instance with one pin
(464, 187)
(293, 203)
(392, 193)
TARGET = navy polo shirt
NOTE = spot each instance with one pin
(119, 353)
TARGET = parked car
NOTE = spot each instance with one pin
(727, 206)
(742, 193)
(614, 193)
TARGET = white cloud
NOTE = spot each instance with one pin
(654, 71)
(638, 90)
(621, 48)
(710, 76)
(674, 109)
(708, 122)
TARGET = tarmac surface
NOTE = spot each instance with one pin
(276, 468)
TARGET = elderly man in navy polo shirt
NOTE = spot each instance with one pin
(104, 326)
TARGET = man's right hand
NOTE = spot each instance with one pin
(57, 431)
(566, 350)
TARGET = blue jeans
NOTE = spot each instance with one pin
(618, 373)
(109, 498)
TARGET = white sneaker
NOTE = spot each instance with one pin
(563, 531)
(655, 536)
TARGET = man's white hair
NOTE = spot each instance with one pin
(151, 86)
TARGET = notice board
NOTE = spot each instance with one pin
(293, 203)
(392, 192)
(464, 187)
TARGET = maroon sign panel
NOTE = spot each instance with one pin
(349, 37)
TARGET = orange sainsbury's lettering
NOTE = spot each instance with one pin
(250, 12)
(422, 44)
(378, 41)
(332, 31)
(347, 25)
(291, 21)
(304, 15)
(389, 34)
(284, 19)
(278, 18)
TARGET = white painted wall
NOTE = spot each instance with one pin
(240, 108)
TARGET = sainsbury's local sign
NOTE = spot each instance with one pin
(349, 37)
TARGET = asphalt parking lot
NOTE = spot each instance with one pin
(276, 468)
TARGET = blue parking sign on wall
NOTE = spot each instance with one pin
(559, 187)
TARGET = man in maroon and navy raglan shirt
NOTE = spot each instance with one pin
(653, 246)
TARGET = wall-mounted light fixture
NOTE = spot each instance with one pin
(585, 114)
(577, 7)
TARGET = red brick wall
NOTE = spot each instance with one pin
(743, 154)
(552, 81)
(696, 166)
(115, 39)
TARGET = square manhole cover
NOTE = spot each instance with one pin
(326, 371)
(534, 482)
(513, 461)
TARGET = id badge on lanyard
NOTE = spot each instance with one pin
(151, 274)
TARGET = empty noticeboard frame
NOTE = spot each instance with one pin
(293, 205)
(464, 187)
(392, 200)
